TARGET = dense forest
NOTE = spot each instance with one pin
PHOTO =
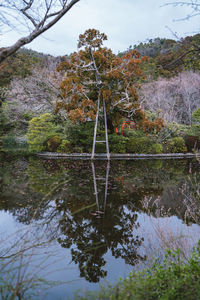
(35, 90)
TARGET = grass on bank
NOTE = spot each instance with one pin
(173, 279)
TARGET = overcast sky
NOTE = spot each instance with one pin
(125, 22)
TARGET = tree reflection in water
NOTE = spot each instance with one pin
(62, 196)
(92, 234)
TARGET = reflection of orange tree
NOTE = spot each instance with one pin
(90, 238)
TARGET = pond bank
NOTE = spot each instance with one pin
(117, 155)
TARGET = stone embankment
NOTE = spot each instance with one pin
(118, 156)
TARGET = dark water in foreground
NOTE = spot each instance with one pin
(83, 224)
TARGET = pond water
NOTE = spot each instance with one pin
(67, 225)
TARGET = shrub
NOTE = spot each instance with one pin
(53, 143)
(27, 115)
(9, 142)
(157, 148)
(133, 132)
(196, 116)
(192, 142)
(40, 130)
(195, 128)
(77, 149)
(65, 147)
(14, 145)
(80, 134)
(172, 130)
(175, 145)
(140, 145)
(119, 148)
(100, 147)
(117, 143)
(6, 124)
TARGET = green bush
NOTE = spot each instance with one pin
(40, 130)
(157, 148)
(133, 133)
(117, 143)
(65, 147)
(141, 145)
(77, 149)
(9, 142)
(172, 130)
(196, 116)
(194, 130)
(14, 145)
(175, 145)
(27, 115)
(100, 148)
(80, 134)
(6, 124)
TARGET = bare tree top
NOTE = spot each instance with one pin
(193, 5)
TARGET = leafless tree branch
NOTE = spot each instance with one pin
(52, 10)
(193, 4)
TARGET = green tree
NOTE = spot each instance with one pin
(40, 130)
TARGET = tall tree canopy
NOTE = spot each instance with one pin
(35, 16)
(95, 71)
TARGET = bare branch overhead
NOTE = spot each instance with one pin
(36, 16)
(194, 5)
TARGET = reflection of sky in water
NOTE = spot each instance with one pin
(166, 232)
(8, 225)
(158, 233)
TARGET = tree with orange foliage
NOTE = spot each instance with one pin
(95, 72)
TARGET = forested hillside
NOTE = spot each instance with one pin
(172, 86)
(29, 86)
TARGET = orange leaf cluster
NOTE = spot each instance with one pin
(150, 126)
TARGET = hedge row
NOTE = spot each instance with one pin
(45, 135)
(120, 144)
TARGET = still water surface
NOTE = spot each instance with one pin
(80, 224)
